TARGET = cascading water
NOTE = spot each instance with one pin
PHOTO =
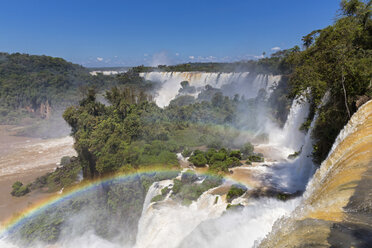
(294, 176)
(335, 210)
(204, 223)
(238, 83)
(290, 136)
(167, 223)
(196, 226)
(143, 224)
(242, 228)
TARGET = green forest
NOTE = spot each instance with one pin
(337, 60)
(132, 131)
(35, 87)
(130, 151)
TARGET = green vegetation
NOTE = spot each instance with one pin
(218, 161)
(247, 150)
(124, 135)
(187, 190)
(64, 176)
(235, 191)
(108, 216)
(186, 152)
(164, 193)
(30, 85)
(234, 207)
(158, 198)
(338, 60)
(19, 189)
(223, 159)
(198, 159)
(211, 106)
(34, 90)
(256, 158)
(132, 131)
(263, 66)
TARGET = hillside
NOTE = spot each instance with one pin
(35, 90)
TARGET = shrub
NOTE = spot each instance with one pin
(157, 198)
(237, 154)
(165, 191)
(186, 153)
(233, 207)
(65, 160)
(232, 162)
(210, 153)
(198, 160)
(219, 166)
(19, 189)
(189, 177)
(235, 191)
(186, 192)
(177, 184)
(247, 149)
(256, 158)
(17, 185)
(218, 156)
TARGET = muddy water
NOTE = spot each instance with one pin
(24, 159)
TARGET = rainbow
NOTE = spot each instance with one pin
(12, 224)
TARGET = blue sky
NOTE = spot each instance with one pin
(115, 33)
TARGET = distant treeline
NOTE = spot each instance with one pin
(268, 65)
(110, 68)
(34, 86)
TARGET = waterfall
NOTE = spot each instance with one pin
(236, 83)
(205, 223)
(336, 153)
(153, 191)
(240, 229)
(294, 176)
(290, 136)
(167, 223)
(289, 139)
(328, 194)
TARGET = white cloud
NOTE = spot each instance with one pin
(161, 58)
(99, 59)
(276, 49)
(191, 57)
(259, 57)
(177, 54)
(145, 55)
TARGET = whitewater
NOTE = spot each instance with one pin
(205, 222)
(243, 83)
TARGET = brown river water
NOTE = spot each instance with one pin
(24, 159)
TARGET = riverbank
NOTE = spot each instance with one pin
(24, 159)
